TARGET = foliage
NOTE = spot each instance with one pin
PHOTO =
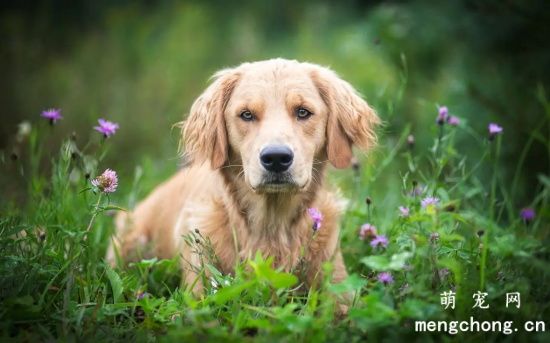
(56, 285)
(142, 64)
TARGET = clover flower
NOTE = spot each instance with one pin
(442, 115)
(52, 115)
(494, 129)
(429, 204)
(386, 278)
(527, 214)
(367, 231)
(429, 201)
(106, 127)
(316, 216)
(453, 121)
(379, 241)
(106, 182)
(404, 212)
(434, 237)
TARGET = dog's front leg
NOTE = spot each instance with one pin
(193, 270)
(192, 281)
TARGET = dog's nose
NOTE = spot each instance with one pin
(276, 158)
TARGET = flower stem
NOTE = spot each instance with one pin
(483, 261)
(438, 146)
(438, 162)
(523, 156)
(494, 180)
(368, 212)
(485, 242)
(94, 215)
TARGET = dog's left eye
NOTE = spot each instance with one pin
(302, 113)
(247, 115)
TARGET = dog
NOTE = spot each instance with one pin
(257, 144)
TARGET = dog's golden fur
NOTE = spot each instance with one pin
(222, 192)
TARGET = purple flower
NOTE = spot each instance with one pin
(106, 127)
(429, 201)
(52, 114)
(494, 129)
(379, 241)
(527, 214)
(385, 278)
(404, 211)
(367, 231)
(106, 182)
(453, 121)
(316, 216)
(443, 112)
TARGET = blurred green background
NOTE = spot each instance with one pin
(142, 63)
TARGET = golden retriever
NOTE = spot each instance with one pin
(258, 141)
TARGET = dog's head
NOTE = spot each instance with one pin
(278, 120)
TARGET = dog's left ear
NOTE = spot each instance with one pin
(351, 120)
(204, 131)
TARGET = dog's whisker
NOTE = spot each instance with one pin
(232, 165)
(319, 161)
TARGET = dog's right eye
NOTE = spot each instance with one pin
(247, 116)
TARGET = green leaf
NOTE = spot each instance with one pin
(545, 180)
(376, 262)
(231, 292)
(418, 309)
(116, 283)
(115, 207)
(375, 313)
(382, 263)
(84, 190)
(452, 237)
(352, 283)
(398, 260)
(265, 272)
(214, 271)
(282, 280)
(145, 263)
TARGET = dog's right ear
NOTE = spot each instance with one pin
(351, 120)
(204, 132)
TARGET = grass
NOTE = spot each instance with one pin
(55, 284)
